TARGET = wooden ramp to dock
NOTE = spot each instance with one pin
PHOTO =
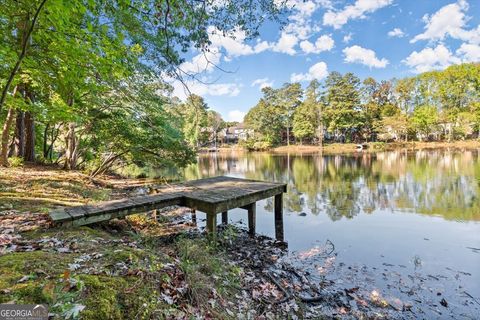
(211, 195)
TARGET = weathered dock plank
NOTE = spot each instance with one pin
(211, 195)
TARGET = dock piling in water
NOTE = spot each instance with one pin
(279, 217)
(225, 217)
(252, 212)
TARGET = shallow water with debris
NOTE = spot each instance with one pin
(405, 225)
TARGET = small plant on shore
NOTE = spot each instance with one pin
(377, 145)
(15, 162)
(200, 261)
(229, 234)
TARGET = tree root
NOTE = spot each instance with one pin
(289, 295)
(473, 298)
(311, 299)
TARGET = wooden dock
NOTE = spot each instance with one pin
(211, 195)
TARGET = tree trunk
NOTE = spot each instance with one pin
(29, 137)
(105, 165)
(320, 126)
(19, 140)
(288, 135)
(45, 141)
(71, 148)
(53, 137)
(320, 135)
(5, 136)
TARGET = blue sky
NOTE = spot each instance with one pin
(379, 38)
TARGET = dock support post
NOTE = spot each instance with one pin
(211, 222)
(194, 216)
(279, 217)
(252, 212)
(225, 217)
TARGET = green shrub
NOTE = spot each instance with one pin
(247, 144)
(377, 145)
(252, 144)
(262, 145)
(15, 162)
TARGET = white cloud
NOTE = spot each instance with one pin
(450, 20)
(301, 30)
(430, 59)
(357, 54)
(469, 52)
(223, 89)
(204, 89)
(304, 8)
(323, 43)
(353, 11)
(301, 24)
(317, 71)
(261, 46)
(286, 43)
(262, 83)
(397, 32)
(347, 38)
(235, 115)
(203, 62)
(215, 89)
(234, 43)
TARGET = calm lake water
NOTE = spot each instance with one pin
(406, 214)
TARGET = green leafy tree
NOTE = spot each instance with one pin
(266, 120)
(392, 127)
(194, 117)
(306, 119)
(342, 111)
(215, 123)
(425, 121)
(288, 98)
(377, 103)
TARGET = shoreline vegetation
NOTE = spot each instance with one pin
(340, 148)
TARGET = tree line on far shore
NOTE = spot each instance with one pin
(436, 105)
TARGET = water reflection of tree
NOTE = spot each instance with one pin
(444, 183)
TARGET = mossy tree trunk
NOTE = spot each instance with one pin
(5, 137)
(71, 152)
(19, 139)
(29, 137)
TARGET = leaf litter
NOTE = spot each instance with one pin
(275, 282)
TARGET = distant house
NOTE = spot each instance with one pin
(236, 133)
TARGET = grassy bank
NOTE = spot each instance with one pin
(101, 274)
(136, 268)
(375, 146)
(338, 148)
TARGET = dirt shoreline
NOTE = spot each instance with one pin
(339, 148)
